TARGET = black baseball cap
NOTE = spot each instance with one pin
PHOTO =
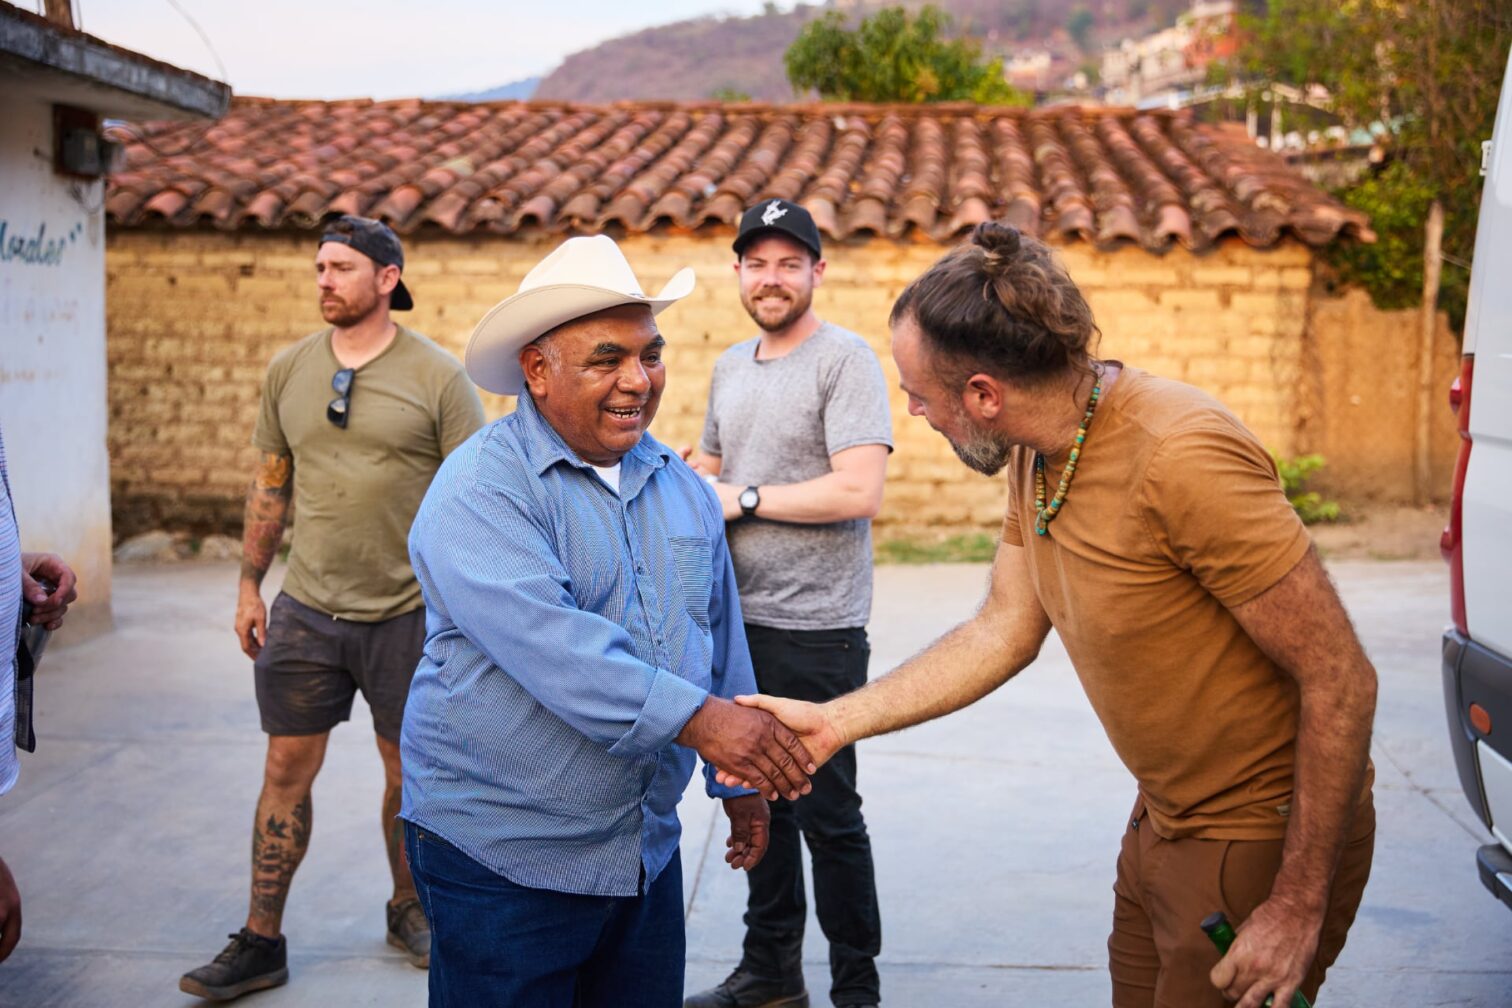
(778, 216)
(377, 241)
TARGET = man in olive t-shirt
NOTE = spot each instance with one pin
(355, 421)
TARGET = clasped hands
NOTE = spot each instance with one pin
(767, 744)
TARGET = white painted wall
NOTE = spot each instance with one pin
(53, 403)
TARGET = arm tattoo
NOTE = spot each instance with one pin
(267, 507)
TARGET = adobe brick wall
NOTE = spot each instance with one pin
(194, 317)
(1367, 408)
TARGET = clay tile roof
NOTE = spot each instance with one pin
(1107, 176)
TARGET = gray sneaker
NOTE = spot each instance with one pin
(250, 963)
(409, 931)
(746, 990)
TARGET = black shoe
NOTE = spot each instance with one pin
(746, 990)
(250, 963)
(409, 931)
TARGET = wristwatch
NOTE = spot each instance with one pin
(750, 500)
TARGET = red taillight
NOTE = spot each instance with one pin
(1452, 542)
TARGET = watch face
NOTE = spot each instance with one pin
(749, 498)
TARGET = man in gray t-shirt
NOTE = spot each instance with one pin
(795, 442)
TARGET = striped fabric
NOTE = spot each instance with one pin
(570, 634)
(10, 626)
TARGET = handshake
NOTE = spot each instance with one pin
(765, 743)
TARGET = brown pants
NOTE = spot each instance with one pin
(1158, 956)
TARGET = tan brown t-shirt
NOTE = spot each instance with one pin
(1174, 515)
(356, 489)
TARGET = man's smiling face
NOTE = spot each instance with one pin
(598, 380)
(777, 281)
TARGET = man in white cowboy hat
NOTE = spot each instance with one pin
(583, 636)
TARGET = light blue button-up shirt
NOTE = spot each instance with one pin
(10, 627)
(571, 632)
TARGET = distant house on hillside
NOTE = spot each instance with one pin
(1196, 249)
(1030, 71)
(1154, 69)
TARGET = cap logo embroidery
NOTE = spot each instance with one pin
(770, 215)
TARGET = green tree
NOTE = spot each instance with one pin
(1425, 74)
(895, 56)
(1079, 26)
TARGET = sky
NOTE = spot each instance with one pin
(374, 48)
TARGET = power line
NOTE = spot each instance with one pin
(205, 38)
(195, 138)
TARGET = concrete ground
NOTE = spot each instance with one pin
(995, 829)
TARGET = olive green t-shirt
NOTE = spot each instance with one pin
(356, 489)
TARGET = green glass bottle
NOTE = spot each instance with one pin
(1221, 932)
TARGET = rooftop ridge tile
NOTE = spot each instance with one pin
(1105, 175)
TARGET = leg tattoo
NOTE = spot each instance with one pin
(280, 837)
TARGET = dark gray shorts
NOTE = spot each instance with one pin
(313, 665)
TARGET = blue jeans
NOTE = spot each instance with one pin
(494, 943)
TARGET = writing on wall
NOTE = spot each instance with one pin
(35, 248)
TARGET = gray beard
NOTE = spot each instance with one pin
(983, 452)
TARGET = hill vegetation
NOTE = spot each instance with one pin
(742, 56)
(685, 60)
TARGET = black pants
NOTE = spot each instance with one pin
(816, 665)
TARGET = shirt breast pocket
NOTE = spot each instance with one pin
(694, 559)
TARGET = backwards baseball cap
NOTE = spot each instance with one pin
(778, 216)
(377, 241)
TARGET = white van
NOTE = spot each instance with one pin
(1478, 542)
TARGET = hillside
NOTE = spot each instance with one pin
(685, 60)
(709, 57)
(520, 90)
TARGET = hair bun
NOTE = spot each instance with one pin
(1000, 243)
(995, 237)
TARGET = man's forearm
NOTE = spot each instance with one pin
(1301, 625)
(954, 672)
(264, 516)
(1333, 743)
(958, 669)
(832, 497)
(852, 489)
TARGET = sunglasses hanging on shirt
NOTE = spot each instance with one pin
(341, 407)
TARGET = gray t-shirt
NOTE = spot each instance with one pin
(779, 421)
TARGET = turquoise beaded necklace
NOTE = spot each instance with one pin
(1044, 513)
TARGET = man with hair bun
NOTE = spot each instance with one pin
(1147, 525)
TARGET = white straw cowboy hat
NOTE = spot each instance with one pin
(581, 276)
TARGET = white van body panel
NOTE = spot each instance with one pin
(1487, 500)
